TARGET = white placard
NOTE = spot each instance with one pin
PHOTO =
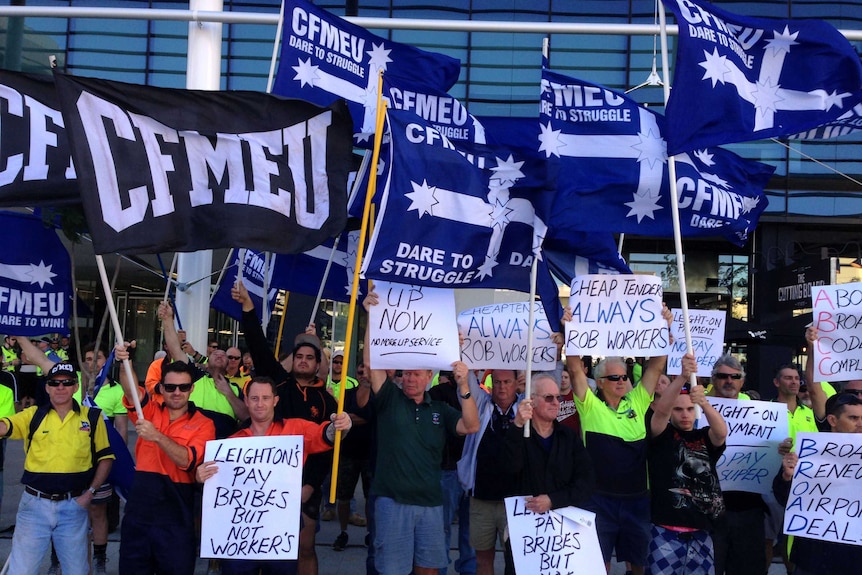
(616, 315)
(413, 327)
(251, 507)
(838, 318)
(824, 500)
(707, 339)
(495, 337)
(552, 543)
(755, 428)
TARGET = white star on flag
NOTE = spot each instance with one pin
(549, 141)
(704, 156)
(508, 171)
(422, 198)
(41, 274)
(379, 57)
(643, 205)
(716, 67)
(306, 73)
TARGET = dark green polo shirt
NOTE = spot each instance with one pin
(411, 438)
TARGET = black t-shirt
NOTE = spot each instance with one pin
(494, 479)
(683, 481)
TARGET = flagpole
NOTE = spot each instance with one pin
(281, 324)
(534, 273)
(118, 333)
(275, 46)
(354, 287)
(674, 204)
(265, 313)
(323, 281)
(222, 272)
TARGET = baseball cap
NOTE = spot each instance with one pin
(46, 339)
(307, 339)
(338, 353)
(63, 368)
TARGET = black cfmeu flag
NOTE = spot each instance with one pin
(184, 170)
(35, 165)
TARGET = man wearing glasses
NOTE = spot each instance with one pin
(233, 372)
(157, 534)
(62, 472)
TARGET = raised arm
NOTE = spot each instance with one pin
(815, 389)
(172, 339)
(717, 425)
(121, 353)
(34, 355)
(265, 362)
(656, 364)
(663, 406)
(575, 366)
(469, 422)
(377, 376)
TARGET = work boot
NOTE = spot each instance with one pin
(340, 542)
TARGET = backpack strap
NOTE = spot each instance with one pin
(93, 414)
(38, 417)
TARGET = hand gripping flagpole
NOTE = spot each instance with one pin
(674, 207)
(354, 288)
(528, 386)
(118, 333)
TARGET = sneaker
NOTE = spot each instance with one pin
(340, 542)
(357, 519)
(55, 569)
(99, 565)
(328, 514)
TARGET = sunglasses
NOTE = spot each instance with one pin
(172, 387)
(616, 377)
(234, 357)
(551, 398)
(733, 376)
(856, 392)
(59, 382)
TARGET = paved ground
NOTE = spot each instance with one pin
(351, 561)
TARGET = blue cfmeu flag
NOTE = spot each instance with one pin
(325, 58)
(612, 160)
(35, 277)
(450, 217)
(847, 123)
(739, 78)
(298, 273)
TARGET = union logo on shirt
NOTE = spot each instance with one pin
(435, 418)
(85, 426)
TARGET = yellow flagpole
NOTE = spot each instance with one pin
(281, 323)
(363, 233)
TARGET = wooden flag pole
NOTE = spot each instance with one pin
(354, 288)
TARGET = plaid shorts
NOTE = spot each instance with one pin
(675, 553)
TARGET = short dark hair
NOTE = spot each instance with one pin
(835, 405)
(784, 366)
(306, 344)
(261, 379)
(177, 367)
(92, 347)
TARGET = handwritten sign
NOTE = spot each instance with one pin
(495, 337)
(824, 501)
(707, 339)
(559, 542)
(838, 317)
(616, 315)
(755, 429)
(251, 506)
(413, 327)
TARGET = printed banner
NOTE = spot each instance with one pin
(185, 170)
(251, 507)
(616, 315)
(707, 339)
(755, 429)
(838, 319)
(35, 277)
(413, 328)
(553, 543)
(495, 337)
(824, 498)
(34, 148)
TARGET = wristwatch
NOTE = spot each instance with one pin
(465, 396)
(92, 490)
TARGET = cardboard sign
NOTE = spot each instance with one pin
(495, 337)
(616, 315)
(707, 339)
(825, 501)
(755, 428)
(413, 328)
(838, 318)
(558, 542)
(251, 507)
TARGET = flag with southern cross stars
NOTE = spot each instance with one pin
(613, 174)
(297, 273)
(847, 123)
(325, 58)
(739, 78)
(449, 218)
(35, 277)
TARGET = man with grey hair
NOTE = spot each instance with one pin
(739, 534)
(728, 378)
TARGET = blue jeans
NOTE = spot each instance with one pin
(40, 521)
(455, 500)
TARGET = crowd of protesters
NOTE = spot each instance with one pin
(430, 450)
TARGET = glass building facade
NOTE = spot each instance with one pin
(815, 197)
